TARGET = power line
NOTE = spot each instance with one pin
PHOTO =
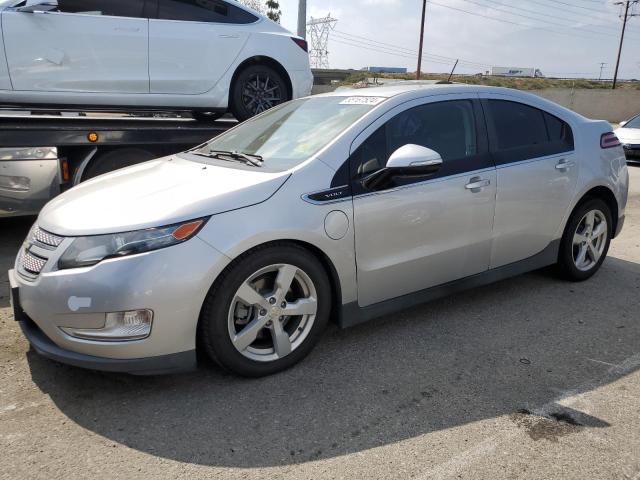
(535, 19)
(507, 21)
(406, 50)
(535, 12)
(319, 29)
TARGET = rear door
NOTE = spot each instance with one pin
(193, 43)
(537, 170)
(85, 46)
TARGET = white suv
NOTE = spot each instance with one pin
(195, 55)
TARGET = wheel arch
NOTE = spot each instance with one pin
(261, 60)
(323, 258)
(605, 194)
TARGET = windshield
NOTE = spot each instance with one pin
(289, 134)
(633, 123)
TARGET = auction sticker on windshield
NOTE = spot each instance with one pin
(362, 100)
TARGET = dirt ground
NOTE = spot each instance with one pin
(528, 378)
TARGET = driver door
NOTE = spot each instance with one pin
(85, 46)
(416, 233)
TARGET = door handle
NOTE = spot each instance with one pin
(229, 35)
(476, 184)
(563, 165)
(127, 29)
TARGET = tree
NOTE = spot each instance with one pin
(273, 10)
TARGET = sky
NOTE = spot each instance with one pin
(563, 38)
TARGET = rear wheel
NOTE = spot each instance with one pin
(257, 89)
(267, 312)
(586, 240)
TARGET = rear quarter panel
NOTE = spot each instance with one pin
(599, 167)
(5, 82)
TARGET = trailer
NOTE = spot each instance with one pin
(44, 155)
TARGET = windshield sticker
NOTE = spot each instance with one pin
(362, 100)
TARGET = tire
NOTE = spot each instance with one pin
(225, 317)
(206, 117)
(577, 238)
(256, 89)
(114, 160)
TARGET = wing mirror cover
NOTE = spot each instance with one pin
(407, 161)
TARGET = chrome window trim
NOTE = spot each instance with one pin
(426, 182)
(536, 159)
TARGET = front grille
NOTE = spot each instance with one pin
(45, 238)
(32, 263)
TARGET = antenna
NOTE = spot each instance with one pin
(319, 30)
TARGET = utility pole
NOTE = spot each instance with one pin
(302, 18)
(319, 30)
(424, 14)
(626, 4)
(602, 64)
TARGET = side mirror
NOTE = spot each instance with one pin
(33, 6)
(622, 124)
(408, 161)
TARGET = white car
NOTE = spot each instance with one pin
(194, 55)
(629, 135)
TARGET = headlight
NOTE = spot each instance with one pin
(87, 251)
(37, 153)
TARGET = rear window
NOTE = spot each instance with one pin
(215, 11)
(521, 132)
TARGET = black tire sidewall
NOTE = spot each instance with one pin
(213, 324)
(565, 261)
(237, 106)
(114, 160)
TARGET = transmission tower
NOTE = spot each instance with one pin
(319, 30)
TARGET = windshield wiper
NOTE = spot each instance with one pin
(248, 159)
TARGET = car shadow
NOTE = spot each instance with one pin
(504, 349)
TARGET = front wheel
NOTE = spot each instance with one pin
(586, 240)
(257, 89)
(267, 311)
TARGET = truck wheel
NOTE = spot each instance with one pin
(115, 159)
(257, 89)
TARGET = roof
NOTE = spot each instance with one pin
(407, 87)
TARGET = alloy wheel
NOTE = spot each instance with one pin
(260, 93)
(272, 312)
(590, 240)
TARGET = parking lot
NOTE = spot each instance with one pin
(530, 378)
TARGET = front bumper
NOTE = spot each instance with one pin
(27, 185)
(172, 282)
(165, 364)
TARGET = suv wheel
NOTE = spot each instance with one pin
(257, 89)
(267, 311)
(586, 240)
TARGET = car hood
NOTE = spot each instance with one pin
(628, 135)
(156, 193)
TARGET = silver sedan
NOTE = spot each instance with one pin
(337, 207)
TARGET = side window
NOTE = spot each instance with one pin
(521, 132)
(448, 127)
(216, 11)
(113, 8)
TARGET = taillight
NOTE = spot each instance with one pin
(301, 43)
(609, 140)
